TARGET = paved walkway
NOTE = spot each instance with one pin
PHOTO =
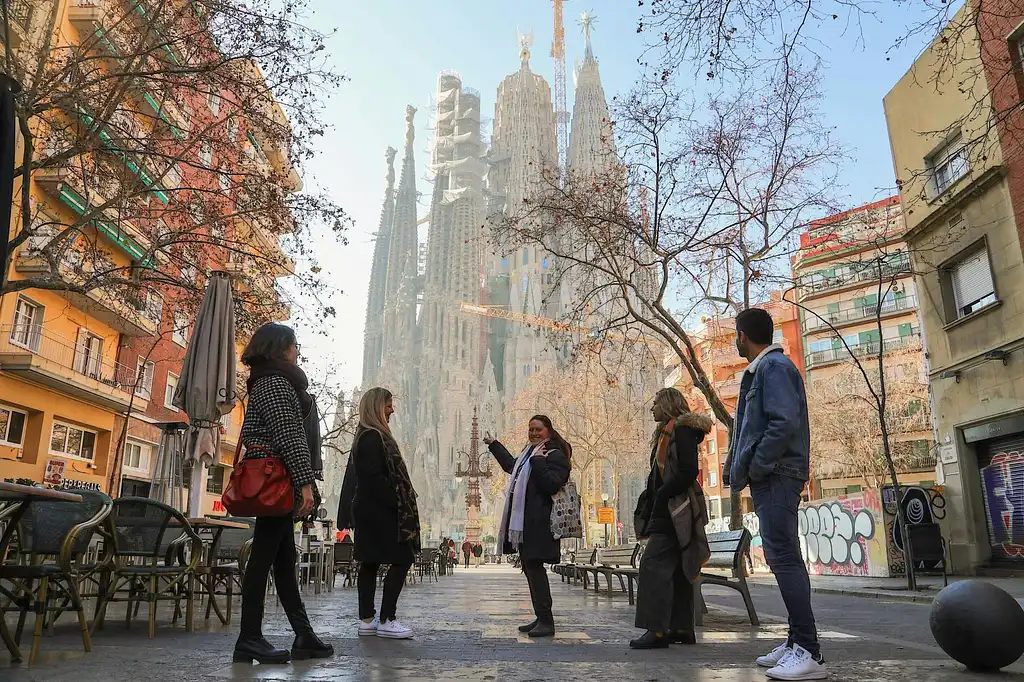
(466, 630)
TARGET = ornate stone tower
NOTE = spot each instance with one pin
(373, 335)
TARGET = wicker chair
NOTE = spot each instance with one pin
(51, 537)
(344, 562)
(426, 564)
(139, 534)
(223, 569)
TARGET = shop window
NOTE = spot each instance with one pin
(72, 441)
(215, 479)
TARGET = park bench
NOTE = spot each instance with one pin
(570, 570)
(729, 553)
(620, 561)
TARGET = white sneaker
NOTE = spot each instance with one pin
(369, 629)
(772, 659)
(393, 629)
(799, 665)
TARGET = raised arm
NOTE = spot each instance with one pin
(504, 458)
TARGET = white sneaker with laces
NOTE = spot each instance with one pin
(393, 629)
(799, 665)
(369, 629)
(772, 659)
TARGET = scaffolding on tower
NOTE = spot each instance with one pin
(561, 109)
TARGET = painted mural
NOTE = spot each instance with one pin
(844, 536)
(1002, 485)
(921, 505)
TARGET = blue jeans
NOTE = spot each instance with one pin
(776, 501)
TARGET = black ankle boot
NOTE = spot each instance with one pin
(249, 649)
(650, 640)
(528, 626)
(542, 629)
(683, 637)
(308, 645)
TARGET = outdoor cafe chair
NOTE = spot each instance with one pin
(43, 572)
(225, 564)
(142, 538)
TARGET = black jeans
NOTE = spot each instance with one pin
(367, 587)
(273, 545)
(540, 590)
(664, 600)
(777, 501)
(467, 560)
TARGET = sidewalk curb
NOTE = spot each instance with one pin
(864, 594)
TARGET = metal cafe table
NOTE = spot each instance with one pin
(15, 498)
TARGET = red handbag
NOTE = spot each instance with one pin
(258, 487)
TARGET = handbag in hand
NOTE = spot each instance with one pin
(258, 487)
(565, 513)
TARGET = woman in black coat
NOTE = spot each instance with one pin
(537, 474)
(383, 513)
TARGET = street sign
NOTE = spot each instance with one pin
(605, 515)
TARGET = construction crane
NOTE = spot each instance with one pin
(561, 109)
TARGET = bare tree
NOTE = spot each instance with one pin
(161, 134)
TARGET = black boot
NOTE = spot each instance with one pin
(528, 626)
(249, 649)
(683, 637)
(542, 629)
(651, 640)
(308, 645)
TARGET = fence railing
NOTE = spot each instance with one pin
(863, 349)
(858, 313)
(815, 285)
(79, 360)
(19, 12)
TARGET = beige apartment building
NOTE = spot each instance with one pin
(961, 187)
(857, 299)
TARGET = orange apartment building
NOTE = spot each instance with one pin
(715, 341)
(74, 367)
(853, 269)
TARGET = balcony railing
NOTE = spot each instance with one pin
(863, 349)
(816, 285)
(19, 12)
(76, 359)
(858, 313)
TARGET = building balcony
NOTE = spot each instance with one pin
(19, 15)
(860, 350)
(809, 287)
(730, 388)
(85, 15)
(50, 359)
(859, 314)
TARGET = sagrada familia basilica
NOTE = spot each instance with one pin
(428, 337)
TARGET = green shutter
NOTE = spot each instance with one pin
(869, 336)
(906, 329)
(833, 308)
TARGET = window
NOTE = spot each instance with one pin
(232, 129)
(179, 332)
(225, 180)
(213, 100)
(144, 379)
(172, 386)
(12, 426)
(777, 336)
(712, 479)
(172, 178)
(225, 422)
(206, 154)
(72, 441)
(189, 274)
(89, 354)
(136, 455)
(526, 256)
(215, 479)
(969, 281)
(28, 324)
(711, 446)
(949, 164)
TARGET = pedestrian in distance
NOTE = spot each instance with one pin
(674, 514)
(540, 471)
(273, 426)
(385, 516)
(467, 549)
(771, 453)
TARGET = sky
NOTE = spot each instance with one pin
(392, 51)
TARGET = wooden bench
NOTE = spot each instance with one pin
(729, 552)
(620, 561)
(570, 570)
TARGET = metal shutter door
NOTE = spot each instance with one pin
(1002, 485)
(972, 280)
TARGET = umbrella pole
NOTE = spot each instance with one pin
(195, 498)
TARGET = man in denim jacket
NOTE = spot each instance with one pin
(770, 452)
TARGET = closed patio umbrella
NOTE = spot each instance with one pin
(206, 388)
(167, 484)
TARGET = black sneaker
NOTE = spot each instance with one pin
(528, 626)
(683, 637)
(651, 640)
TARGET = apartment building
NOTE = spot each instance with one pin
(856, 297)
(715, 342)
(959, 160)
(133, 202)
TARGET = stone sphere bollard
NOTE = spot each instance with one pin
(978, 624)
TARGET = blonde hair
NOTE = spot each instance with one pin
(371, 411)
(673, 405)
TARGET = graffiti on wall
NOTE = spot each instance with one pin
(843, 536)
(921, 505)
(1002, 484)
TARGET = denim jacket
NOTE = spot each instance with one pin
(771, 433)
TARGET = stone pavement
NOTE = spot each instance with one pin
(466, 630)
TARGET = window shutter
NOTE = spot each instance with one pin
(972, 280)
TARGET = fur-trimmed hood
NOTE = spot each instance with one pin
(695, 421)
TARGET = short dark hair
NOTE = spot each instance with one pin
(757, 324)
(268, 343)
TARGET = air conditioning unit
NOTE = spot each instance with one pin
(897, 287)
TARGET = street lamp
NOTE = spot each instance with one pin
(604, 503)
